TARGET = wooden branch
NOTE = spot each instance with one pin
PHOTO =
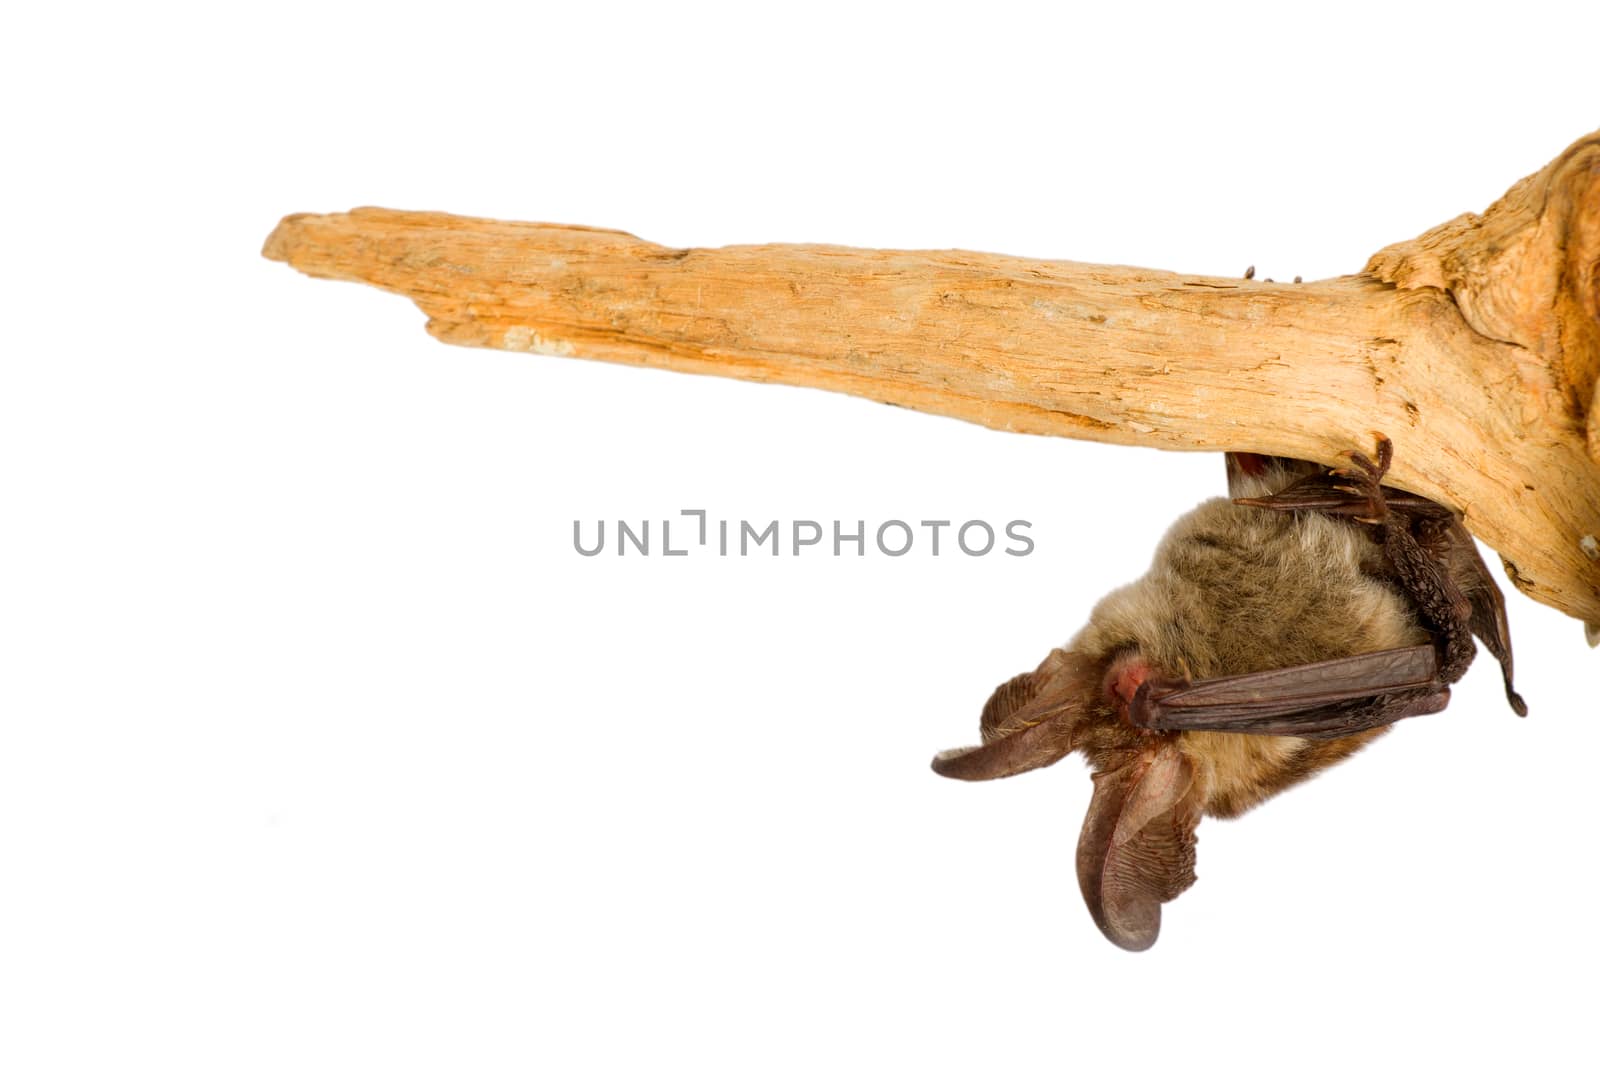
(1476, 346)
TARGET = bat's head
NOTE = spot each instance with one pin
(1136, 850)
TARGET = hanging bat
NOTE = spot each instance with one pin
(1274, 635)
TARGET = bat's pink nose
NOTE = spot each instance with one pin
(1124, 677)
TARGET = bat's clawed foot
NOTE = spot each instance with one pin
(1374, 468)
(1363, 479)
(1354, 491)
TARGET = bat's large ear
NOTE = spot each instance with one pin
(1137, 848)
(1030, 722)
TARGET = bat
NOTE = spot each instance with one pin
(1274, 635)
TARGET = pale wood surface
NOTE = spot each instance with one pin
(1475, 346)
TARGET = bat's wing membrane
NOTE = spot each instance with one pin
(1488, 607)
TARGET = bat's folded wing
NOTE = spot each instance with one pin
(1329, 698)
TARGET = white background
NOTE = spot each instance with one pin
(320, 744)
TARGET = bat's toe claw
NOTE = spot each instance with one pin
(1383, 453)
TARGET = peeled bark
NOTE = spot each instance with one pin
(1475, 346)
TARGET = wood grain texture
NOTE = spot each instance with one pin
(1475, 347)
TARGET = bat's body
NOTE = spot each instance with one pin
(1236, 590)
(1264, 644)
